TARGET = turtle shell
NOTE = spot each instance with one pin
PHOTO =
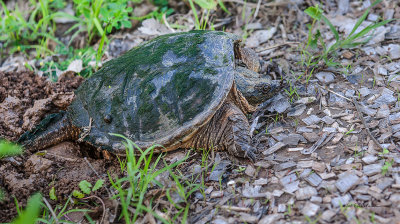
(159, 92)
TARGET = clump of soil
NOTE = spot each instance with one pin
(25, 98)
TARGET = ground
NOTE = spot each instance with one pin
(328, 143)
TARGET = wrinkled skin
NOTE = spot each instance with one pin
(177, 90)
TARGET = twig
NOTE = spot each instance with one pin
(166, 23)
(277, 45)
(257, 9)
(51, 210)
(86, 130)
(337, 94)
(254, 125)
(104, 206)
(360, 115)
(235, 208)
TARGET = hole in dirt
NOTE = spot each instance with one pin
(90, 151)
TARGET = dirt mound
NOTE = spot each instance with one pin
(25, 98)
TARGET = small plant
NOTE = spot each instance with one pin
(31, 212)
(206, 6)
(86, 188)
(52, 194)
(8, 149)
(328, 52)
(141, 174)
(385, 168)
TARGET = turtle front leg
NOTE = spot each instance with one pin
(227, 130)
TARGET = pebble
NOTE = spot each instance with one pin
(327, 215)
(310, 209)
(261, 181)
(341, 200)
(281, 208)
(372, 169)
(328, 120)
(306, 193)
(297, 110)
(364, 91)
(217, 194)
(277, 193)
(347, 181)
(270, 219)
(369, 159)
(313, 119)
(394, 51)
(384, 183)
(274, 148)
(325, 77)
(314, 179)
(250, 171)
(284, 166)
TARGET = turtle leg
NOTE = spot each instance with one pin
(228, 129)
(55, 128)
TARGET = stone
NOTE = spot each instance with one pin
(310, 209)
(383, 111)
(314, 179)
(284, 166)
(311, 137)
(372, 169)
(274, 148)
(270, 219)
(250, 171)
(306, 193)
(325, 77)
(327, 215)
(341, 200)
(261, 181)
(383, 183)
(347, 181)
(217, 194)
(364, 91)
(369, 159)
(281, 208)
(313, 119)
(394, 51)
(328, 120)
(297, 110)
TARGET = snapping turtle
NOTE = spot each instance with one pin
(177, 90)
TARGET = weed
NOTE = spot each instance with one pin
(86, 188)
(8, 149)
(354, 39)
(141, 174)
(206, 7)
(61, 212)
(52, 194)
(31, 212)
(385, 168)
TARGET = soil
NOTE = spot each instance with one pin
(22, 105)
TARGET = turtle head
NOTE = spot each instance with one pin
(247, 56)
(256, 88)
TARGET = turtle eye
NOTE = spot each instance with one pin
(108, 119)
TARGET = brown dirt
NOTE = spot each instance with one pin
(25, 98)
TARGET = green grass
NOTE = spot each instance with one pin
(95, 20)
(316, 43)
(141, 170)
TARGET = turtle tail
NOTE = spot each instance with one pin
(55, 128)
